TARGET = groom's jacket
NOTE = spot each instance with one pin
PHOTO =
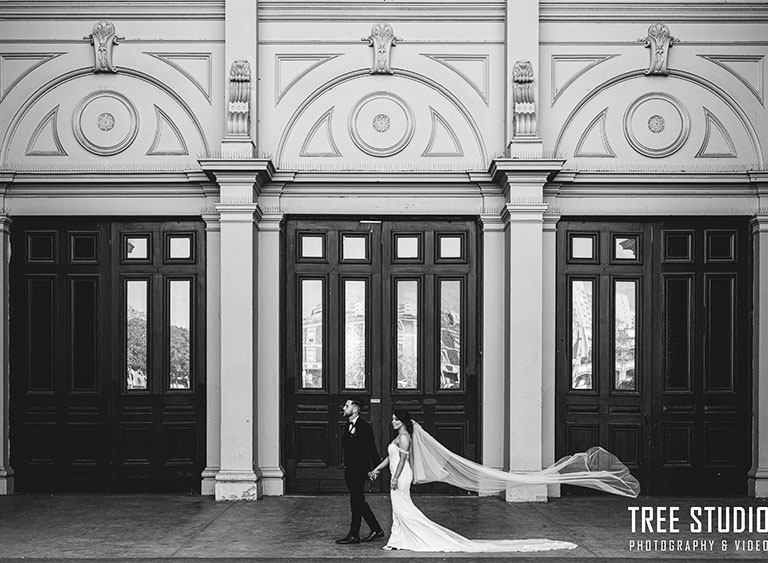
(360, 453)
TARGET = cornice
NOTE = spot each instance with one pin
(345, 10)
(125, 10)
(698, 12)
(390, 177)
(656, 177)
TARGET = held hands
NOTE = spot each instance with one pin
(373, 475)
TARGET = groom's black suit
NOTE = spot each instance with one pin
(360, 456)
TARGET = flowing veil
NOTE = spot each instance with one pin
(596, 468)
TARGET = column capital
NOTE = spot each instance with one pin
(759, 222)
(238, 212)
(524, 177)
(492, 222)
(524, 211)
(239, 177)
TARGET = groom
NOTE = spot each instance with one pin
(360, 455)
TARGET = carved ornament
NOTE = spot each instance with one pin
(382, 39)
(523, 103)
(659, 41)
(103, 39)
(238, 109)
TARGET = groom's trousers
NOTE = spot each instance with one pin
(360, 509)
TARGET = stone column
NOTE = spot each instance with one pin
(212, 352)
(494, 343)
(549, 282)
(758, 474)
(272, 474)
(6, 473)
(523, 183)
(239, 180)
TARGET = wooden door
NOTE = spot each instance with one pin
(659, 375)
(107, 357)
(384, 311)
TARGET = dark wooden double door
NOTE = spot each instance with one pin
(383, 310)
(107, 359)
(653, 358)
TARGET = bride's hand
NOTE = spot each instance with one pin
(393, 484)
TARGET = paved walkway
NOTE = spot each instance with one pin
(181, 528)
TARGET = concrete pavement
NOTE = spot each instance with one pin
(178, 528)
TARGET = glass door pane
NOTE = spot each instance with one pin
(136, 342)
(407, 333)
(355, 299)
(179, 349)
(624, 332)
(312, 334)
(582, 335)
(450, 334)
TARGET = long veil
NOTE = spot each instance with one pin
(596, 468)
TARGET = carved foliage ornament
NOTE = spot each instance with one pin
(238, 109)
(523, 103)
(659, 41)
(382, 39)
(103, 39)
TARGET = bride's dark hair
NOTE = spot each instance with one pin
(405, 418)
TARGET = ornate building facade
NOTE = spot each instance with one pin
(539, 226)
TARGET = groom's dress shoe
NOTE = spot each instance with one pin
(349, 539)
(379, 535)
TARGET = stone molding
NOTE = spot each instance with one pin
(103, 38)
(382, 39)
(659, 41)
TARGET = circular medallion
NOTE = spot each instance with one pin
(381, 124)
(105, 122)
(656, 125)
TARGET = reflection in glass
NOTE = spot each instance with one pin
(312, 334)
(353, 247)
(136, 342)
(625, 248)
(624, 335)
(137, 248)
(450, 334)
(180, 248)
(407, 333)
(312, 246)
(581, 334)
(354, 334)
(180, 320)
(450, 247)
(582, 247)
(407, 247)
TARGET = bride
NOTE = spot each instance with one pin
(416, 457)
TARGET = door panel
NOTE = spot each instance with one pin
(107, 386)
(652, 354)
(376, 310)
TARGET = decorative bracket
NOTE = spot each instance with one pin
(523, 103)
(238, 110)
(660, 42)
(382, 39)
(103, 39)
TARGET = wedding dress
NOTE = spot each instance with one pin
(413, 531)
(430, 461)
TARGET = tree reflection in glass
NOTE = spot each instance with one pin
(624, 335)
(407, 334)
(179, 350)
(312, 334)
(354, 334)
(581, 334)
(136, 333)
(450, 334)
